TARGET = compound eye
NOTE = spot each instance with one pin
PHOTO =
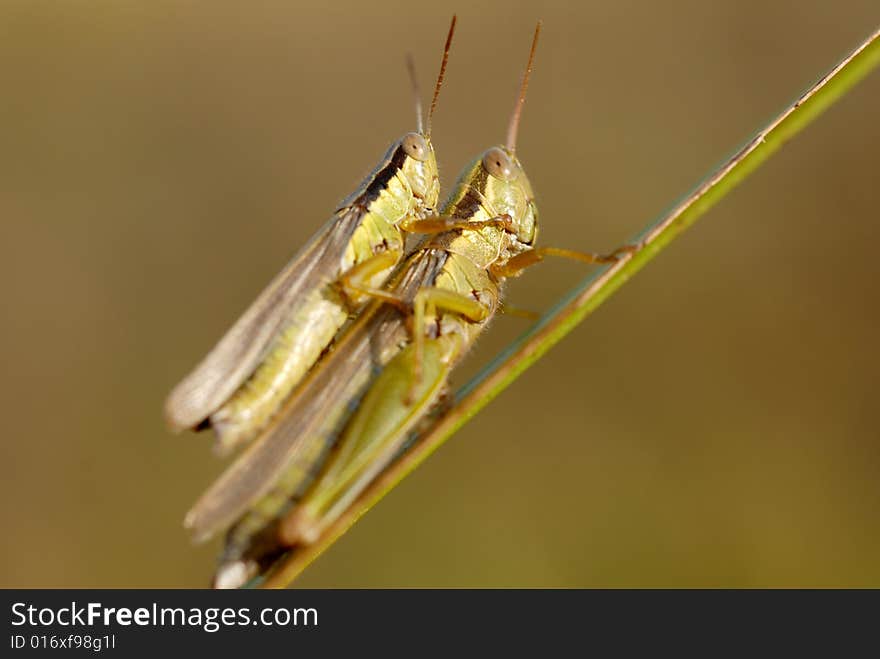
(416, 146)
(498, 164)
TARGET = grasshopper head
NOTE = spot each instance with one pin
(508, 191)
(419, 167)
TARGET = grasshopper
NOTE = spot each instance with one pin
(357, 410)
(241, 384)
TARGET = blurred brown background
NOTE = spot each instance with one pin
(714, 424)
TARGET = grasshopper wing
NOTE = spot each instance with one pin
(239, 352)
(286, 456)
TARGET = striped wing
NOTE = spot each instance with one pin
(238, 353)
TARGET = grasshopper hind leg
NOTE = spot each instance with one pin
(406, 390)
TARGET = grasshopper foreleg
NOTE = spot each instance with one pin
(443, 223)
(516, 264)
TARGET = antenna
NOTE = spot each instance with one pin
(417, 93)
(442, 73)
(513, 128)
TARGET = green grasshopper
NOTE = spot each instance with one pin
(241, 384)
(389, 370)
